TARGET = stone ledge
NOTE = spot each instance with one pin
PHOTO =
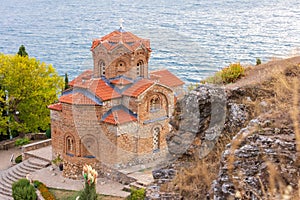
(36, 145)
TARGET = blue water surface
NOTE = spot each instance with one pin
(192, 38)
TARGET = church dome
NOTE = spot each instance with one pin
(128, 39)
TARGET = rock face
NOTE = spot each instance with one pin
(260, 156)
(198, 121)
(257, 118)
(162, 176)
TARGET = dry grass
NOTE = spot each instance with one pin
(195, 182)
(286, 114)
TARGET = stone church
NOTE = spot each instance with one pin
(118, 112)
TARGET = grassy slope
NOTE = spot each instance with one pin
(279, 76)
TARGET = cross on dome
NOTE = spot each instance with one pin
(121, 24)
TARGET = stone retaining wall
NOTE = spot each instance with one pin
(7, 144)
(36, 145)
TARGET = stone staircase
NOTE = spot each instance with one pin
(142, 180)
(9, 176)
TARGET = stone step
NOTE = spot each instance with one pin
(19, 174)
(5, 191)
(13, 174)
(8, 178)
(34, 156)
(4, 197)
(31, 166)
(136, 185)
(6, 183)
(22, 171)
(127, 188)
(39, 162)
(27, 167)
(143, 183)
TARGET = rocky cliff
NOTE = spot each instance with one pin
(237, 141)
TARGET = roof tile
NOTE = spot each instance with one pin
(86, 75)
(77, 98)
(102, 90)
(97, 86)
(56, 106)
(120, 81)
(139, 87)
(119, 117)
(113, 39)
(165, 77)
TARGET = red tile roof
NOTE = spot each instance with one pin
(120, 81)
(56, 106)
(103, 90)
(119, 117)
(165, 77)
(95, 86)
(77, 98)
(139, 87)
(131, 41)
(86, 75)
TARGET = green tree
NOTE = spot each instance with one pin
(3, 113)
(30, 87)
(66, 81)
(22, 51)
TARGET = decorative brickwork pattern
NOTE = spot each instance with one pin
(114, 115)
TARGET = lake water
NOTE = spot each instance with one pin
(192, 38)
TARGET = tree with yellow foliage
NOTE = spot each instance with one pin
(27, 87)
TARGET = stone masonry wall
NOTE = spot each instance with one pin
(120, 53)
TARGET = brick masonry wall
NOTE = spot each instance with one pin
(116, 146)
(166, 97)
(120, 53)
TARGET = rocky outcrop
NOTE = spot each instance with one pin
(207, 113)
(162, 176)
(198, 121)
(259, 157)
(253, 117)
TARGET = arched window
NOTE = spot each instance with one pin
(139, 68)
(155, 104)
(121, 66)
(70, 145)
(156, 137)
(102, 67)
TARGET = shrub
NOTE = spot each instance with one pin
(36, 183)
(258, 61)
(22, 190)
(227, 75)
(18, 159)
(44, 191)
(231, 73)
(193, 86)
(14, 133)
(137, 194)
(48, 133)
(58, 160)
(22, 141)
(215, 79)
